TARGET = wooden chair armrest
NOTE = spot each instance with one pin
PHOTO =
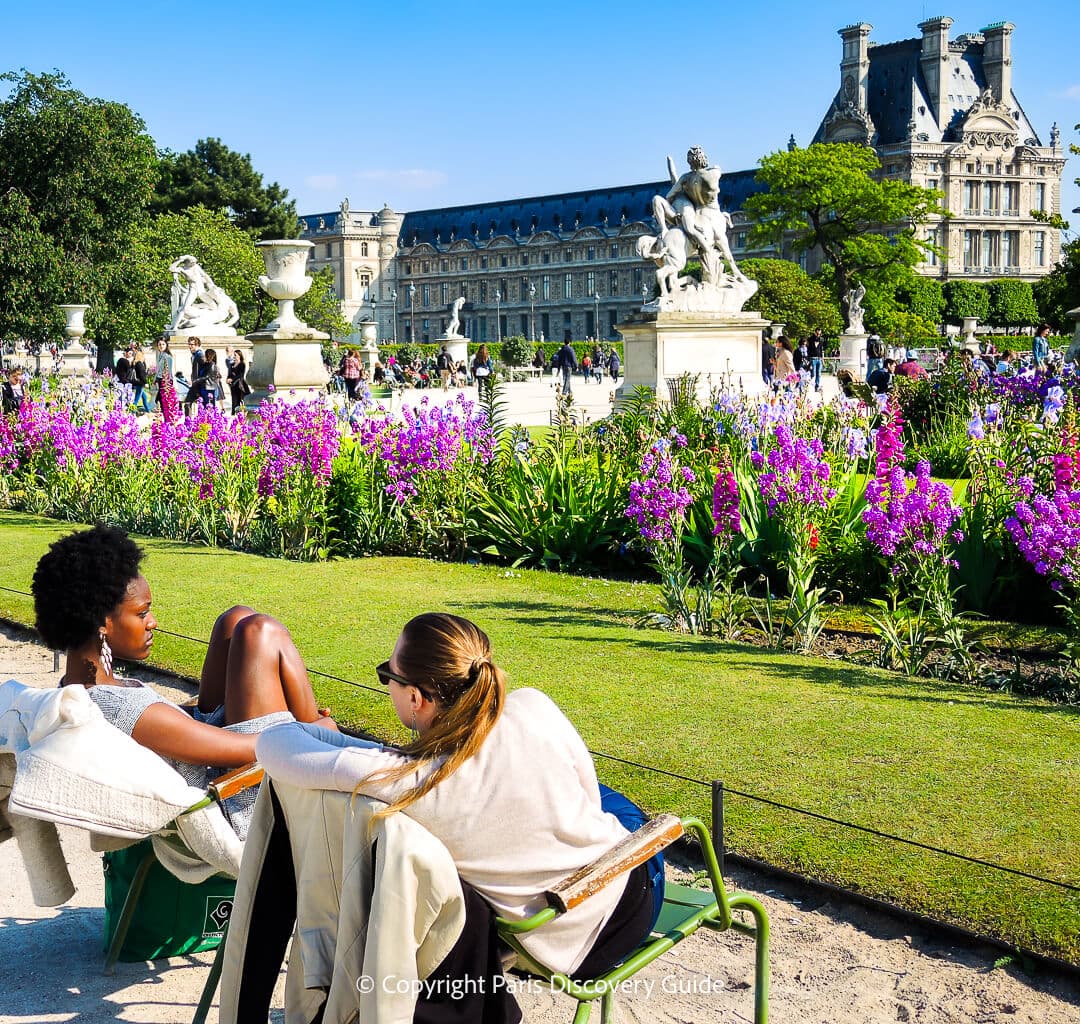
(624, 856)
(236, 781)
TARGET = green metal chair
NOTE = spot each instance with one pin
(685, 910)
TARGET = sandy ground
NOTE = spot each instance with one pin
(831, 963)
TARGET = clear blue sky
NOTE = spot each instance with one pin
(431, 104)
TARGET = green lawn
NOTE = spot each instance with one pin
(991, 776)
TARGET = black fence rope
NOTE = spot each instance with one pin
(877, 833)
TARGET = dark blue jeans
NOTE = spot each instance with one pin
(632, 818)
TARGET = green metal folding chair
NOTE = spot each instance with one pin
(684, 911)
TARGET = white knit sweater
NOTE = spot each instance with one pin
(517, 817)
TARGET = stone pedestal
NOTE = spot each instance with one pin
(853, 353)
(369, 346)
(724, 349)
(286, 365)
(457, 346)
(76, 359)
(222, 344)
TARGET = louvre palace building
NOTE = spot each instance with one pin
(939, 112)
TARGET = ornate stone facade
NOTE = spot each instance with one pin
(939, 113)
(942, 114)
(558, 266)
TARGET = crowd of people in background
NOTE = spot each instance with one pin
(786, 363)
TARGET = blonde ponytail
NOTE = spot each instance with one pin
(450, 660)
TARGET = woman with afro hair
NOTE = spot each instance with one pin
(92, 602)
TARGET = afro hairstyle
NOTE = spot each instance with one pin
(80, 580)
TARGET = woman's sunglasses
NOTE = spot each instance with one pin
(385, 674)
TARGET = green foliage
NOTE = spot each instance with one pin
(75, 176)
(829, 197)
(560, 507)
(786, 293)
(225, 252)
(1059, 291)
(516, 351)
(407, 352)
(966, 298)
(923, 297)
(214, 176)
(1012, 304)
(320, 308)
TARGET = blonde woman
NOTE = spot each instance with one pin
(504, 780)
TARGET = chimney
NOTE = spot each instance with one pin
(935, 63)
(855, 64)
(997, 60)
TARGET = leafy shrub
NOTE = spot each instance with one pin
(516, 351)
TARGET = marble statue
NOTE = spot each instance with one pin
(453, 330)
(691, 225)
(855, 309)
(196, 302)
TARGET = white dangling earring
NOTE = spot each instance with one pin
(106, 655)
(412, 728)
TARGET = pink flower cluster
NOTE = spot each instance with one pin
(725, 503)
(428, 439)
(278, 441)
(794, 471)
(660, 498)
(1046, 529)
(907, 516)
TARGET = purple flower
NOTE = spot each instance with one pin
(657, 501)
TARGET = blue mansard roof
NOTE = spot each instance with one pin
(604, 208)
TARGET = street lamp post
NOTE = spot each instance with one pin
(596, 322)
(532, 312)
(498, 317)
(412, 312)
(393, 299)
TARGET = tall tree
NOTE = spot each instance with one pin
(829, 196)
(75, 176)
(214, 176)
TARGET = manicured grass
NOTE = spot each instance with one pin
(990, 776)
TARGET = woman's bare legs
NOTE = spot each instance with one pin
(264, 673)
(212, 682)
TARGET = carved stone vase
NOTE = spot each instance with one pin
(285, 280)
(286, 359)
(76, 358)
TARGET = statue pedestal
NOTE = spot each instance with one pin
(853, 353)
(286, 365)
(1073, 351)
(76, 361)
(724, 349)
(457, 345)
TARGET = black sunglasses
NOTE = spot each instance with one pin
(385, 674)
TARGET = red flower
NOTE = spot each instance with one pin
(813, 537)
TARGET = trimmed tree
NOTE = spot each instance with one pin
(966, 298)
(1012, 304)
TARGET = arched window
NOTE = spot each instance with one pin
(363, 249)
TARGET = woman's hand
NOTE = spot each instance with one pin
(325, 721)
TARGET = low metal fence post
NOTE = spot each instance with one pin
(718, 822)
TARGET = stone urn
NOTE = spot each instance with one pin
(76, 358)
(285, 280)
(369, 348)
(968, 330)
(286, 355)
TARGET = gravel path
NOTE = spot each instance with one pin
(831, 963)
